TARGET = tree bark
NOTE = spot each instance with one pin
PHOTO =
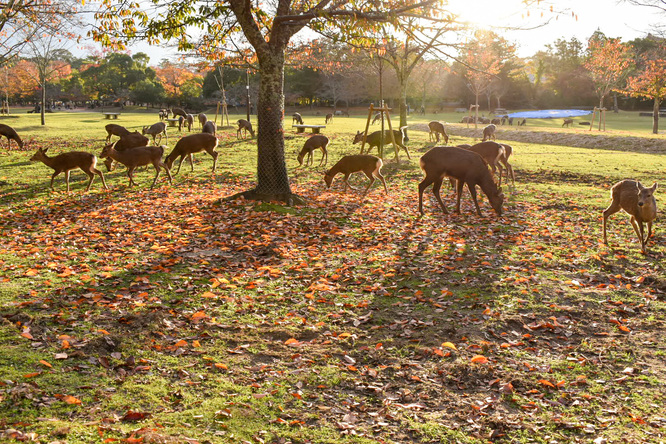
(43, 103)
(655, 117)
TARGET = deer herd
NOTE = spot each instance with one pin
(483, 164)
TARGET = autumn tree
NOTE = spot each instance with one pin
(267, 28)
(650, 82)
(180, 82)
(609, 63)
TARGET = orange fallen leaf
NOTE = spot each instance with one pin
(478, 359)
(181, 343)
(450, 345)
(69, 399)
(43, 362)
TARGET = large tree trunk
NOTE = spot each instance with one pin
(403, 103)
(272, 178)
(655, 117)
(43, 103)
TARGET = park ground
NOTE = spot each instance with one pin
(173, 315)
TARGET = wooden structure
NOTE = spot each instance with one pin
(315, 128)
(110, 115)
(173, 122)
(384, 111)
(223, 108)
(602, 117)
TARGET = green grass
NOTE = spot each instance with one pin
(185, 307)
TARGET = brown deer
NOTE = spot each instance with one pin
(567, 122)
(126, 142)
(466, 167)
(491, 152)
(156, 129)
(317, 141)
(10, 134)
(66, 162)
(489, 132)
(115, 130)
(188, 145)
(178, 112)
(202, 119)
(370, 165)
(209, 127)
(329, 118)
(189, 121)
(136, 157)
(245, 126)
(508, 152)
(374, 139)
(296, 117)
(164, 114)
(437, 128)
(637, 201)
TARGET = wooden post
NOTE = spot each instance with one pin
(382, 109)
(594, 114)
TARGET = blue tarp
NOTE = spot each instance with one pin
(550, 113)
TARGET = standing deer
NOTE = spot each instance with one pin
(317, 141)
(370, 165)
(329, 118)
(191, 144)
(126, 142)
(156, 129)
(202, 120)
(466, 167)
(136, 157)
(115, 130)
(374, 139)
(209, 127)
(508, 152)
(10, 134)
(489, 132)
(637, 201)
(66, 162)
(437, 128)
(245, 126)
(189, 119)
(567, 122)
(178, 112)
(492, 153)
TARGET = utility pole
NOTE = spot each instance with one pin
(247, 87)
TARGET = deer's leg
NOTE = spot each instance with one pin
(407, 151)
(99, 173)
(472, 191)
(168, 173)
(214, 155)
(370, 176)
(67, 179)
(324, 155)
(422, 186)
(638, 228)
(91, 175)
(459, 191)
(53, 176)
(346, 182)
(157, 174)
(191, 156)
(379, 174)
(130, 170)
(649, 226)
(437, 185)
(180, 163)
(612, 209)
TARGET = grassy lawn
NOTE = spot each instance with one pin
(171, 315)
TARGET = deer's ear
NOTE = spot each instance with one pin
(654, 187)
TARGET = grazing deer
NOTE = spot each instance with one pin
(136, 157)
(209, 127)
(466, 167)
(437, 128)
(370, 165)
(567, 122)
(115, 130)
(245, 126)
(188, 145)
(329, 118)
(126, 142)
(10, 134)
(522, 122)
(66, 162)
(178, 112)
(508, 152)
(314, 142)
(189, 121)
(496, 121)
(637, 201)
(489, 132)
(296, 117)
(156, 129)
(164, 114)
(202, 120)
(374, 139)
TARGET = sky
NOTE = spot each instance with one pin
(570, 18)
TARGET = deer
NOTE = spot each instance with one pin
(491, 152)
(637, 201)
(496, 121)
(202, 119)
(466, 167)
(126, 142)
(164, 114)
(376, 118)
(10, 134)
(522, 122)
(66, 162)
(115, 130)
(296, 117)
(489, 132)
(567, 122)
(156, 129)
(329, 118)
(370, 165)
(178, 112)
(437, 128)
(374, 139)
(245, 126)
(508, 152)
(189, 121)
(136, 157)
(209, 127)
(188, 145)
(317, 141)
